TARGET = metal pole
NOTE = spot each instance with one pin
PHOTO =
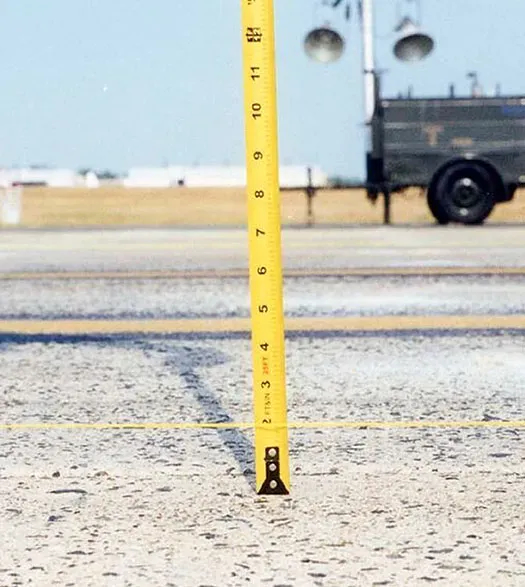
(367, 28)
(386, 209)
(369, 72)
(310, 193)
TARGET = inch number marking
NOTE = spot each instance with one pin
(256, 110)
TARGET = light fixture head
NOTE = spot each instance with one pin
(324, 45)
(412, 44)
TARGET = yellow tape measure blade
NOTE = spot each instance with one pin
(264, 226)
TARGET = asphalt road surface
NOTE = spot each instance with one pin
(406, 400)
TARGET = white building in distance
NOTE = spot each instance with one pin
(290, 176)
(41, 177)
(201, 176)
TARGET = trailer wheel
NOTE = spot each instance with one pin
(466, 193)
(436, 208)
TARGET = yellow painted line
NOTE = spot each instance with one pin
(231, 325)
(223, 242)
(374, 424)
(177, 274)
(229, 242)
(123, 326)
(116, 246)
(241, 273)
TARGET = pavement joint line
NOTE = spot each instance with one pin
(240, 243)
(360, 425)
(243, 273)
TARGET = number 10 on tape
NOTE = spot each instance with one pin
(264, 226)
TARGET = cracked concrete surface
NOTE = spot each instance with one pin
(368, 507)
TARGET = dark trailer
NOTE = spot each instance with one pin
(468, 153)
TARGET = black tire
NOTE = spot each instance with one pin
(465, 193)
(436, 209)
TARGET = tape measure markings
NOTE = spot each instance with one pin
(265, 265)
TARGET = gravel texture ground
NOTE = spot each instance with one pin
(404, 504)
(227, 298)
(158, 507)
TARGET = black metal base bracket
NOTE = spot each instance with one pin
(273, 484)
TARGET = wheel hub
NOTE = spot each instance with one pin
(466, 193)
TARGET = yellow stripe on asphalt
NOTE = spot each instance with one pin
(239, 244)
(233, 325)
(240, 273)
(374, 424)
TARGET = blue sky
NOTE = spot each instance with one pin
(121, 83)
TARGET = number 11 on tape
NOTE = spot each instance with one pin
(264, 226)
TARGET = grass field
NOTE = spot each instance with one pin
(119, 206)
